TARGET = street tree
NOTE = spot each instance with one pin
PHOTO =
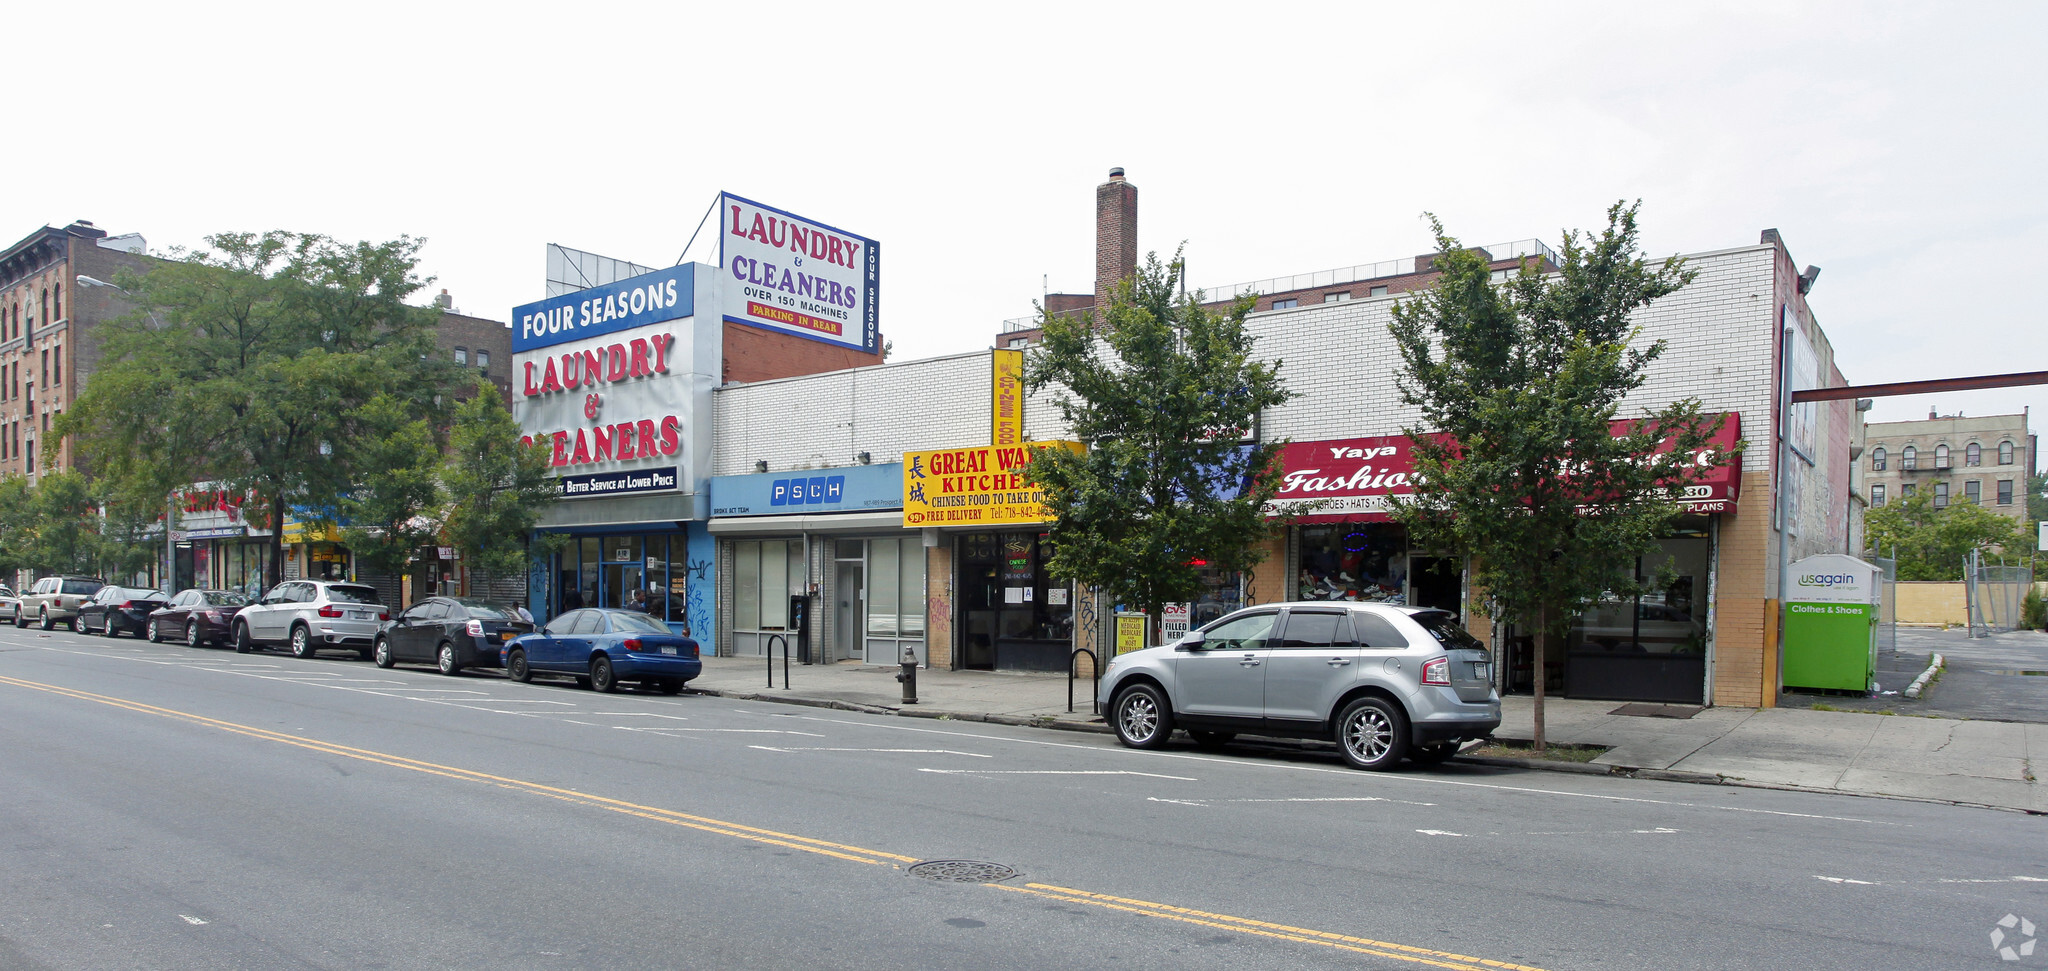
(1519, 464)
(247, 364)
(497, 487)
(1162, 391)
(1930, 543)
(394, 506)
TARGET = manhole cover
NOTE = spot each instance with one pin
(962, 871)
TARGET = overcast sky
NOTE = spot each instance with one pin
(1897, 147)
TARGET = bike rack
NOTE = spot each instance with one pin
(1094, 665)
(785, 661)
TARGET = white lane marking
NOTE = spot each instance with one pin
(438, 691)
(903, 751)
(665, 730)
(194, 921)
(1179, 802)
(1405, 802)
(1659, 829)
(532, 701)
(573, 721)
(1146, 775)
(1348, 773)
(1438, 832)
(1896, 883)
(640, 714)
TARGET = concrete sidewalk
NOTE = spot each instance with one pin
(1967, 762)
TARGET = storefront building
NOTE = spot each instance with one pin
(217, 548)
(1740, 338)
(819, 559)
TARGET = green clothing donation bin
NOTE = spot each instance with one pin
(1831, 623)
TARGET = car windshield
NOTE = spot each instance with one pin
(225, 598)
(82, 586)
(350, 594)
(1444, 627)
(486, 610)
(626, 620)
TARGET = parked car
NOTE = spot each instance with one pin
(452, 632)
(113, 609)
(10, 603)
(55, 600)
(309, 615)
(600, 647)
(1384, 682)
(201, 617)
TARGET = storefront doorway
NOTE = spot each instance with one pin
(849, 600)
(1013, 616)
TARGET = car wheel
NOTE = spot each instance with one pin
(1433, 754)
(381, 653)
(155, 636)
(1142, 717)
(1211, 741)
(1372, 733)
(445, 659)
(302, 642)
(243, 644)
(601, 678)
(106, 631)
(47, 623)
(515, 667)
(192, 637)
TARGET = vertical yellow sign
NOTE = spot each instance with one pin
(1006, 379)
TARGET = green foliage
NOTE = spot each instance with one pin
(1930, 543)
(394, 507)
(1525, 378)
(2037, 498)
(497, 487)
(250, 364)
(1161, 391)
(65, 523)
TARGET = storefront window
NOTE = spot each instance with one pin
(1650, 648)
(1365, 562)
(766, 573)
(895, 598)
(1014, 616)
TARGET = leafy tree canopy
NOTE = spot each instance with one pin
(1162, 391)
(1930, 543)
(1524, 378)
(498, 488)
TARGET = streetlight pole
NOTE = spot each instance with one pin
(170, 575)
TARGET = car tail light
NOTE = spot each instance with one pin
(1437, 672)
(475, 628)
(330, 611)
(127, 605)
(383, 615)
(630, 643)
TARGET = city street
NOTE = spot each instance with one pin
(172, 807)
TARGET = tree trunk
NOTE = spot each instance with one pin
(1537, 676)
(273, 572)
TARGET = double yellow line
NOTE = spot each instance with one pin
(839, 851)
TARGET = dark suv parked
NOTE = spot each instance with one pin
(55, 600)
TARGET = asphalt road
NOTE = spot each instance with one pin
(168, 807)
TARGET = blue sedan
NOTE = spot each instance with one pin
(602, 647)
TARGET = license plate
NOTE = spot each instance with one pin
(358, 615)
(1483, 670)
(668, 650)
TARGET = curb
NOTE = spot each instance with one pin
(1919, 684)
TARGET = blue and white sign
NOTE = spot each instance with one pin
(786, 273)
(859, 488)
(635, 302)
(625, 482)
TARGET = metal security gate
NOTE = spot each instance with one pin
(1994, 594)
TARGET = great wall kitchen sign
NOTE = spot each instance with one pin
(1352, 478)
(601, 374)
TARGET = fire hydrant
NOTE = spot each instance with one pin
(909, 676)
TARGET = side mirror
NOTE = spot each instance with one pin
(1191, 642)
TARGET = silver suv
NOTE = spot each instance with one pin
(55, 600)
(312, 614)
(1383, 682)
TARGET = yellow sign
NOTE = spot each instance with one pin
(1130, 633)
(980, 486)
(1006, 377)
(299, 531)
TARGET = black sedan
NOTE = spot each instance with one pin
(115, 609)
(450, 632)
(200, 617)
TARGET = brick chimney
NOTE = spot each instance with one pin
(444, 301)
(1116, 234)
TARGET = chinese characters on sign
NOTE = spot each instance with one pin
(980, 486)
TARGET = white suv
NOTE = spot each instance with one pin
(312, 614)
(1383, 682)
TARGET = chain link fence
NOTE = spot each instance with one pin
(1994, 594)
